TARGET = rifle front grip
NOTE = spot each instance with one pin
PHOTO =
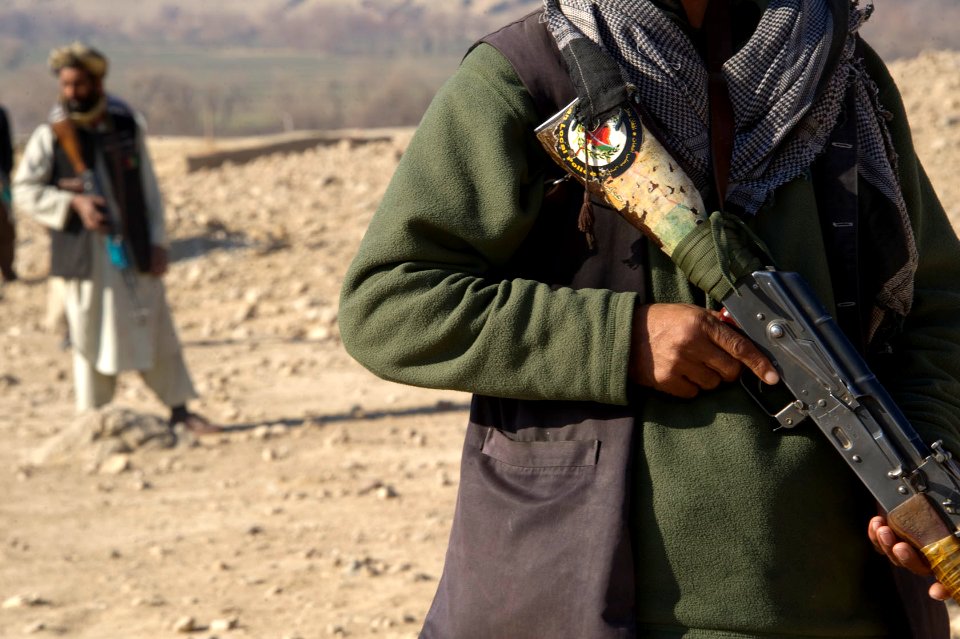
(944, 558)
(919, 522)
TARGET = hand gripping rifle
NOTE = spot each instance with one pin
(117, 248)
(918, 485)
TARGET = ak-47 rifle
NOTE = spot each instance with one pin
(918, 485)
(116, 244)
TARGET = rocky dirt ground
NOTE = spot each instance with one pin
(324, 507)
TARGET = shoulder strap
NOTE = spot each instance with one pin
(531, 50)
(554, 77)
(719, 49)
(597, 80)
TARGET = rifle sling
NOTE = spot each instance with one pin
(719, 48)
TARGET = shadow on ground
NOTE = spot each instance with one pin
(354, 414)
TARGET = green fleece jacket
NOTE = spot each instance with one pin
(738, 532)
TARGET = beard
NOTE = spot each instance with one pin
(82, 106)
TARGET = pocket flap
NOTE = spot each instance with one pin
(540, 454)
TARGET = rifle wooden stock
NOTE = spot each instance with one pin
(66, 134)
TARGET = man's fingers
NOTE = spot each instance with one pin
(96, 221)
(725, 366)
(887, 540)
(939, 592)
(744, 351)
(680, 349)
(900, 552)
(679, 386)
(910, 558)
(706, 376)
(872, 529)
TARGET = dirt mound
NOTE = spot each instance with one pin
(97, 436)
(930, 86)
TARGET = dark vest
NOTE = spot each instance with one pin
(540, 545)
(70, 248)
(539, 527)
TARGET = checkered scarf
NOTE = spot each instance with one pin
(781, 120)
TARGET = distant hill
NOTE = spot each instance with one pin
(221, 67)
(99, 10)
(901, 29)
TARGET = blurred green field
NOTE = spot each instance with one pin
(224, 68)
(235, 91)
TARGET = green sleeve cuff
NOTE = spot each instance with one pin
(619, 355)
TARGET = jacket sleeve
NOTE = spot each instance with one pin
(926, 371)
(32, 193)
(420, 303)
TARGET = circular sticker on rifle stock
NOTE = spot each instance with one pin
(607, 150)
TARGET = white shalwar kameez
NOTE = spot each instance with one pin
(111, 328)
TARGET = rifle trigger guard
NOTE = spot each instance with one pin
(769, 398)
(791, 414)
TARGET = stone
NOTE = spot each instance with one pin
(222, 625)
(386, 492)
(185, 625)
(115, 464)
(24, 601)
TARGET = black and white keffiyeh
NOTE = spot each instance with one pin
(781, 119)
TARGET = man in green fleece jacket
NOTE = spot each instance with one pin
(614, 481)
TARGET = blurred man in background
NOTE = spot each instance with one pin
(87, 176)
(8, 234)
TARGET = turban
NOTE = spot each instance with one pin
(80, 56)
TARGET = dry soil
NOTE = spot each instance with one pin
(324, 507)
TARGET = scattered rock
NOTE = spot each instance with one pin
(272, 591)
(24, 601)
(7, 380)
(185, 625)
(387, 492)
(338, 438)
(319, 333)
(222, 625)
(115, 464)
(158, 552)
